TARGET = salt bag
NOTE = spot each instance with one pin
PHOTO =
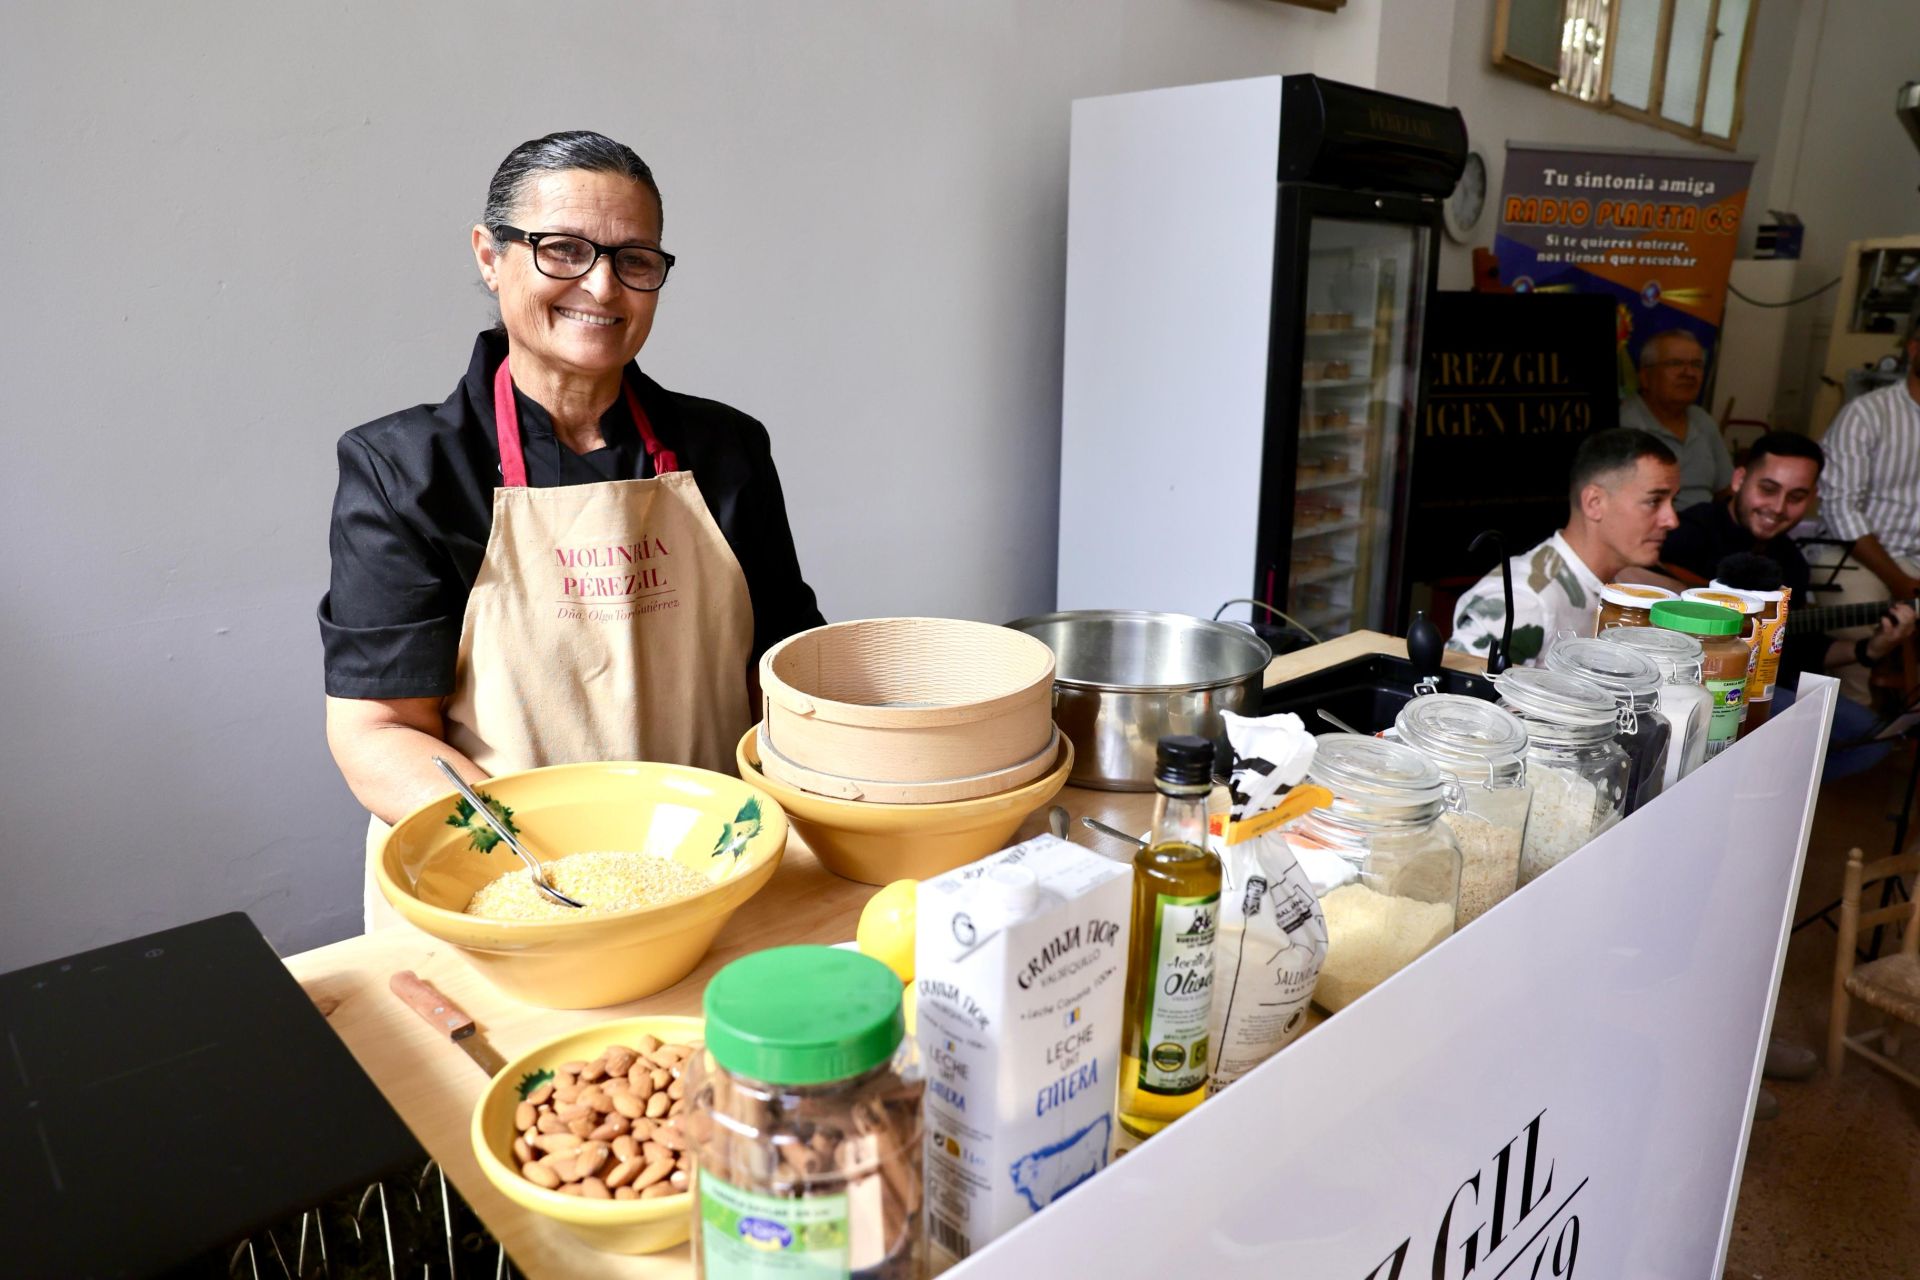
(1272, 936)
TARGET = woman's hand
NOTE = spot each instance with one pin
(385, 749)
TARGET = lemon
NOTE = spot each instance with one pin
(886, 927)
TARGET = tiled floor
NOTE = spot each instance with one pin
(1832, 1186)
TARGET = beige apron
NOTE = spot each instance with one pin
(609, 621)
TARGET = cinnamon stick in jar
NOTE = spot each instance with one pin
(803, 1116)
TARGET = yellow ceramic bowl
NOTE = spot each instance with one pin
(728, 831)
(881, 843)
(612, 1226)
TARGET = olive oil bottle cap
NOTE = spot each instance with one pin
(1184, 760)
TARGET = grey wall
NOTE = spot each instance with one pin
(234, 231)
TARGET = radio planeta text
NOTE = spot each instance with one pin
(1498, 1200)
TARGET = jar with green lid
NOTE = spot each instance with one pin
(1482, 750)
(1577, 770)
(1684, 699)
(1725, 660)
(1386, 868)
(805, 1121)
(1634, 681)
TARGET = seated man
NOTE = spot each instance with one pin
(1770, 495)
(1672, 367)
(1621, 498)
(1870, 492)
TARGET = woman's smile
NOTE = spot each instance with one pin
(586, 317)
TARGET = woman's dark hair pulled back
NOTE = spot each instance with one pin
(557, 152)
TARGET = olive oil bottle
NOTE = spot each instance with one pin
(1176, 899)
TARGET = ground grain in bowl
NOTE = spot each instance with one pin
(605, 880)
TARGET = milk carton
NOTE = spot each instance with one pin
(1020, 965)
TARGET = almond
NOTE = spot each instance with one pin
(653, 1173)
(624, 1172)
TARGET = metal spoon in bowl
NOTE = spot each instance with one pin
(534, 868)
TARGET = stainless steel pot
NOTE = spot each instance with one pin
(1123, 678)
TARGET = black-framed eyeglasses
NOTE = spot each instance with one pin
(561, 256)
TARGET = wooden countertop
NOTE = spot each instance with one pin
(434, 1086)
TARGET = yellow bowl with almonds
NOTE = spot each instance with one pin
(724, 835)
(611, 1226)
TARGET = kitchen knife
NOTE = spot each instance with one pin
(446, 1017)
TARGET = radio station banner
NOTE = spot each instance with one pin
(1654, 230)
(1511, 383)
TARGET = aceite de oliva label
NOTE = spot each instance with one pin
(1173, 1023)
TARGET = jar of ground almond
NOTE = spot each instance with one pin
(1625, 604)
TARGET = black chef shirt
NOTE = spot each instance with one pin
(415, 506)
(1708, 534)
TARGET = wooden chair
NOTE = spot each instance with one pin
(1890, 984)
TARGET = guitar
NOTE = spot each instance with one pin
(1839, 617)
(1892, 681)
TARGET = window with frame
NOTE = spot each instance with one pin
(1679, 65)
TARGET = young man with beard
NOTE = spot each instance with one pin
(1770, 495)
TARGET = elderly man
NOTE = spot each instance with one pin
(1673, 366)
(1621, 498)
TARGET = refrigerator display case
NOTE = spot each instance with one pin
(1249, 266)
(1328, 554)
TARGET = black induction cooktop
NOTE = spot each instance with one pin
(166, 1096)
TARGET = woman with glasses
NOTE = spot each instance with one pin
(564, 560)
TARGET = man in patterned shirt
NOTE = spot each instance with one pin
(1621, 497)
(1870, 490)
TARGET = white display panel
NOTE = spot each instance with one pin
(1604, 1027)
(1170, 239)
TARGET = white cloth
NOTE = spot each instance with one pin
(1553, 591)
(1871, 483)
